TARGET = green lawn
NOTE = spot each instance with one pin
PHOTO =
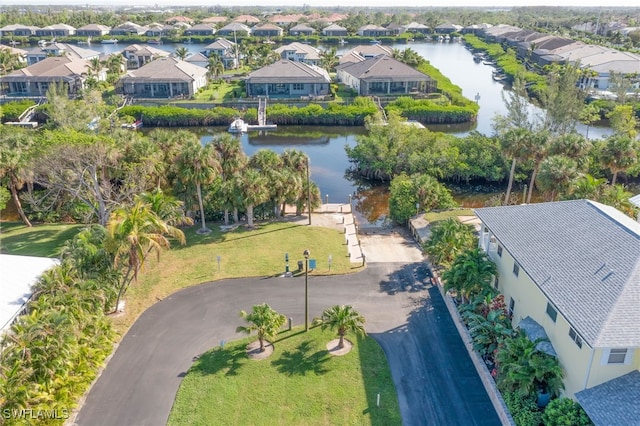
(39, 240)
(299, 384)
(216, 92)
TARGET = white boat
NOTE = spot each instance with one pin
(110, 41)
(238, 126)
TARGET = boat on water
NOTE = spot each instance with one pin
(110, 41)
(238, 126)
(132, 126)
(154, 41)
(477, 58)
(342, 41)
(375, 42)
(499, 76)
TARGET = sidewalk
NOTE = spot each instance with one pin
(342, 213)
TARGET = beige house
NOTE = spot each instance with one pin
(288, 79)
(383, 75)
(163, 78)
(299, 52)
(138, 54)
(571, 270)
(35, 79)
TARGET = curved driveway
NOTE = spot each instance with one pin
(434, 377)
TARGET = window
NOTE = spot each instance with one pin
(496, 283)
(298, 86)
(551, 311)
(512, 306)
(617, 356)
(574, 336)
(516, 269)
(499, 250)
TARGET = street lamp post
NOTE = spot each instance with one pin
(306, 290)
(308, 191)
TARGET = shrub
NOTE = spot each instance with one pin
(524, 410)
(565, 411)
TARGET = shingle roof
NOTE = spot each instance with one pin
(166, 69)
(383, 68)
(310, 52)
(585, 257)
(289, 72)
(49, 69)
(614, 402)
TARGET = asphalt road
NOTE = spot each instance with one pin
(434, 376)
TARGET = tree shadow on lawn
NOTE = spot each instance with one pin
(46, 242)
(299, 362)
(412, 277)
(229, 358)
(220, 237)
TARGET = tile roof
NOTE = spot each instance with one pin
(383, 68)
(289, 72)
(310, 52)
(247, 19)
(585, 257)
(614, 402)
(220, 44)
(370, 50)
(51, 68)
(215, 19)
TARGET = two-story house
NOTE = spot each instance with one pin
(573, 269)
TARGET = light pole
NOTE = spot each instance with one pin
(350, 204)
(306, 289)
(308, 191)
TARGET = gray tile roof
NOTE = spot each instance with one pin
(166, 69)
(585, 257)
(383, 68)
(614, 402)
(289, 72)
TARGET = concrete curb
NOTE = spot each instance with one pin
(489, 384)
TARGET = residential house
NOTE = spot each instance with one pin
(603, 65)
(365, 51)
(198, 59)
(18, 30)
(215, 20)
(285, 20)
(137, 55)
(337, 17)
(93, 30)
(371, 30)
(60, 49)
(247, 19)
(57, 30)
(383, 75)
(301, 30)
(158, 30)
(396, 29)
(179, 19)
(20, 55)
(495, 33)
(571, 269)
(201, 30)
(544, 50)
(163, 78)
(448, 28)
(299, 52)
(35, 79)
(335, 30)
(128, 28)
(414, 27)
(476, 29)
(288, 79)
(225, 50)
(233, 29)
(266, 30)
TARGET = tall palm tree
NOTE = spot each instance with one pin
(264, 321)
(619, 154)
(254, 190)
(514, 143)
(167, 207)
(536, 150)
(15, 144)
(232, 161)
(198, 165)
(271, 166)
(343, 319)
(329, 59)
(182, 53)
(215, 67)
(94, 67)
(133, 233)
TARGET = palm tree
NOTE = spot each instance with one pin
(167, 207)
(470, 273)
(271, 166)
(198, 165)
(254, 190)
(556, 174)
(133, 233)
(449, 238)
(514, 143)
(329, 59)
(215, 67)
(94, 67)
(587, 187)
(263, 320)
(524, 370)
(619, 154)
(182, 53)
(343, 319)
(14, 147)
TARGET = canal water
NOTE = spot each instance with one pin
(325, 146)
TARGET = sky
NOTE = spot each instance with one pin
(343, 3)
